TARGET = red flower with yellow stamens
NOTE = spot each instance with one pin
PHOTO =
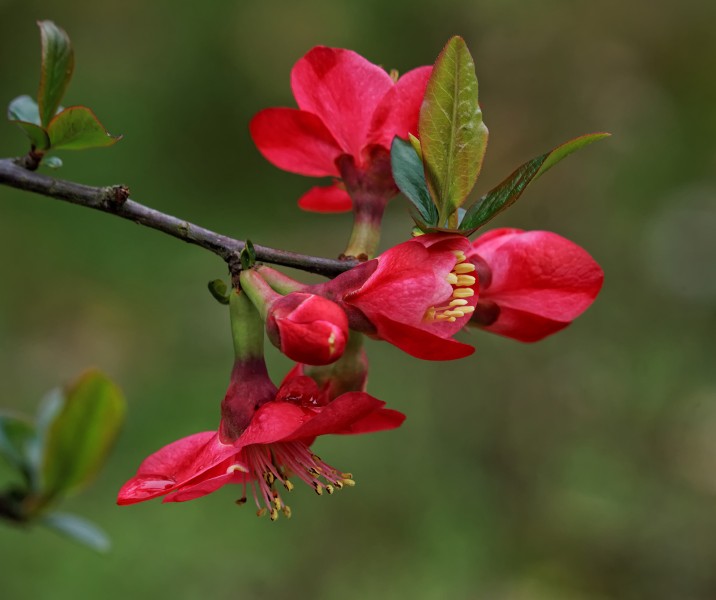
(416, 296)
(532, 283)
(263, 441)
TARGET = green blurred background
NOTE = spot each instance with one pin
(582, 467)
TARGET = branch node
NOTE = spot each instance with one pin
(114, 196)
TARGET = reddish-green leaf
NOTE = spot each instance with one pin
(80, 434)
(453, 136)
(507, 193)
(77, 128)
(23, 111)
(58, 63)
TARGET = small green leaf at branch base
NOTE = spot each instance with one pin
(507, 193)
(409, 176)
(16, 435)
(248, 256)
(58, 63)
(453, 136)
(23, 111)
(77, 128)
(81, 433)
(79, 530)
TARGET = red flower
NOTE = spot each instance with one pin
(415, 295)
(307, 328)
(272, 448)
(349, 111)
(532, 283)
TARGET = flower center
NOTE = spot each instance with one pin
(272, 463)
(461, 282)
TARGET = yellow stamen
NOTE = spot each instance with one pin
(464, 268)
(463, 293)
(460, 255)
(349, 482)
(236, 467)
(288, 485)
(286, 510)
(241, 501)
(465, 280)
(261, 511)
(451, 278)
(458, 302)
(274, 514)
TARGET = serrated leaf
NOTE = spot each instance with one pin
(409, 176)
(58, 63)
(78, 529)
(507, 193)
(453, 136)
(77, 128)
(81, 434)
(16, 435)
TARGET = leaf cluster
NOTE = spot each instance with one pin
(61, 452)
(438, 171)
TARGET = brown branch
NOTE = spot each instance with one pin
(115, 200)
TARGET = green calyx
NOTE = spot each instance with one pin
(247, 327)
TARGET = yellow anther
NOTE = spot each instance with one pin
(329, 489)
(338, 484)
(241, 501)
(286, 510)
(347, 475)
(269, 478)
(261, 512)
(274, 514)
(451, 278)
(454, 313)
(319, 489)
(465, 280)
(463, 293)
(458, 302)
(442, 317)
(288, 485)
(349, 482)
(460, 255)
(461, 268)
(277, 503)
(465, 310)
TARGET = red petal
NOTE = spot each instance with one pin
(523, 326)
(339, 415)
(295, 141)
(380, 420)
(537, 273)
(343, 89)
(174, 465)
(420, 343)
(204, 487)
(273, 422)
(398, 111)
(329, 199)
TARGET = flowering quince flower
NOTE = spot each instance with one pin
(349, 111)
(263, 441)
(416, 295)
(307, 328)
(532, 283)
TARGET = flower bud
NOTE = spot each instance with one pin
(307, 328)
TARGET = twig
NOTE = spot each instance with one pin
(115, 200)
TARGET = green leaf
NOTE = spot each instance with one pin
(53, 162)
(58, 63)
(452, 135)
(248, 255)
(219, 291)
(16, 435)
(24, 113)
(78, 529)
(507, 193)
(77, 128)
(410, 178)
(81, 434)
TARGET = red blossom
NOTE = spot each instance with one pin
(307, 328)
(416, 295)
(274, 446)
(532, 283)
(349, 111)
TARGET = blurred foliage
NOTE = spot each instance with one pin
(578, 468)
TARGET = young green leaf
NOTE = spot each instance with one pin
(77, 128)
(410, 178)
(58, 63)
(452, 134)
(81, 434)
(219, 291)
(78, 529)
(507, 193)
(16, 434)
(23, 111)
(53, 162)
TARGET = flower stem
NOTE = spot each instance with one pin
(247, 328)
